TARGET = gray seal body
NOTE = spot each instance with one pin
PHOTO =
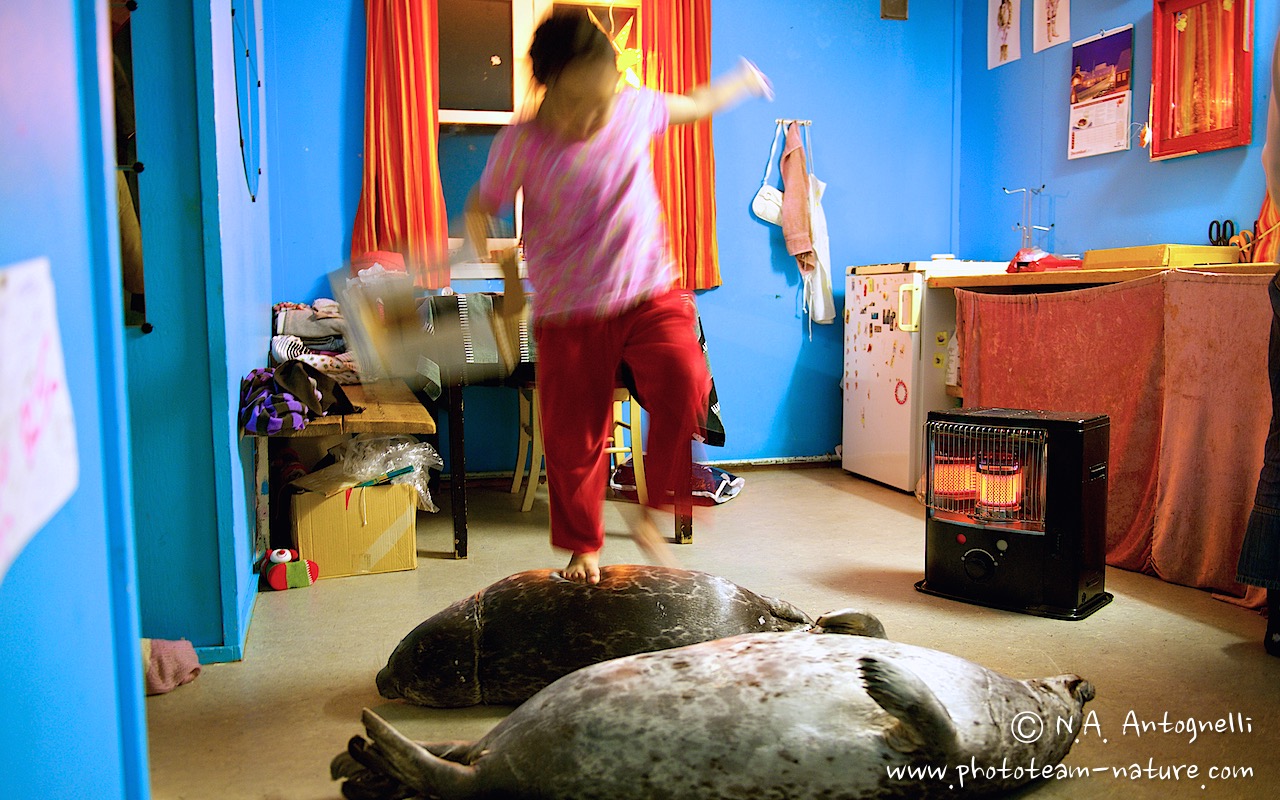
(776, 715)
(510, 639)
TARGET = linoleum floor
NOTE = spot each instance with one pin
(268, 726)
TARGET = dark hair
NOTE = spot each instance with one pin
(568, 35)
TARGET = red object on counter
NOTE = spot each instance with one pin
(1033, 259)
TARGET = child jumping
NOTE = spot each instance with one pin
(603, 276)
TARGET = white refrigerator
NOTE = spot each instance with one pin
(896, 337)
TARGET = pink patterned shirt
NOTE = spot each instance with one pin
(594, 238)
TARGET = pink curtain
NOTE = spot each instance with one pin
(1178, 362)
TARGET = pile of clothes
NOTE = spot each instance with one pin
(314, 334)
(284, 398)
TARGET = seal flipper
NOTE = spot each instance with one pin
(852, 622)
(415, 766)
(922, 722)
(365, 781)
(786, 613)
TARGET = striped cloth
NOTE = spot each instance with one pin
(401, 206)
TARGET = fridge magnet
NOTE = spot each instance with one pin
(1003, 26)
(1052, 23)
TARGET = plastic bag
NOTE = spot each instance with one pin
(367, 456)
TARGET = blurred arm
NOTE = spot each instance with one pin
(1271, 150)
(721, 93)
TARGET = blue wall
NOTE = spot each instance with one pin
(207, 260)
(70, 675)
(237, 296)
(880, 95)
(314, 74)
(1014, 133)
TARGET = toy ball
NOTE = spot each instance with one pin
(282, 556)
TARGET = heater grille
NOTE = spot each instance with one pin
(987, 474)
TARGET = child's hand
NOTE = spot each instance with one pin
(755, 80)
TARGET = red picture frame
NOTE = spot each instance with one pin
(1201, 76)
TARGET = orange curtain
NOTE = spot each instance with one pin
(676, 37)
(401, 203)
(1204, 49)
(1266, 245)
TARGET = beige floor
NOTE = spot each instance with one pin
(268, 726)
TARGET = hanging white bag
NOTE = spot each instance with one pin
(767, 204)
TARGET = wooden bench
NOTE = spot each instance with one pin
(389, 408)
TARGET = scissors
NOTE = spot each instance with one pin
(1221, 231)
(1244, 240)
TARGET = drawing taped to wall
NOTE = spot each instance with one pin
(39, 463)
(1052, 23)
(1004, 26)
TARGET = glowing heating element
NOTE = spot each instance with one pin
(999, 483)
(955, 477)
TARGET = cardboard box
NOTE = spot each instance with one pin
(350, 530)
(1166, 256)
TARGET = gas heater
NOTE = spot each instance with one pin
(1016, 512)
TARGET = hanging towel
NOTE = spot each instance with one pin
(804, 226)
(817, 284)
(795, 201)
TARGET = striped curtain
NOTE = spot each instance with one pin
(1267, 232)
(1204, 58)
(401, 203)
(676, 36)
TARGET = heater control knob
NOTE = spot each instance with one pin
(979, 565)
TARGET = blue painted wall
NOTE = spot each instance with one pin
(879, 93)
(237, 294)
(1014, 133)
(207, 258)
(880, 97)
(314, 73)
(70, 676)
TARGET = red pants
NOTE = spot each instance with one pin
(578, 365)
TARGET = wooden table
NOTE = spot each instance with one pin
(389, 408)
(1083, 277)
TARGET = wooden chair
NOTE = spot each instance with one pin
(624, 440)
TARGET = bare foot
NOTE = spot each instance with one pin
(583, 568)
(651, 542)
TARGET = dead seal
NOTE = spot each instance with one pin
(784, 715)
(512, 638)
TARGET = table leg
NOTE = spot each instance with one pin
(458, 469)
(682, 501)
(261, 498)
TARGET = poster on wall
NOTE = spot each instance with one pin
(1004, 23)
(1101, 94)
(39, 465)
(1052, 23)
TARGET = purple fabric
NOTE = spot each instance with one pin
(265, 409)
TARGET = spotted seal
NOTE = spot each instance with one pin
(510, 639)
(783, 715)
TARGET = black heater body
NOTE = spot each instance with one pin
(1017, 510)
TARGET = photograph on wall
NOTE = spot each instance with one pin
(1003, 28)
(1101, 93)
(1052, 23)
